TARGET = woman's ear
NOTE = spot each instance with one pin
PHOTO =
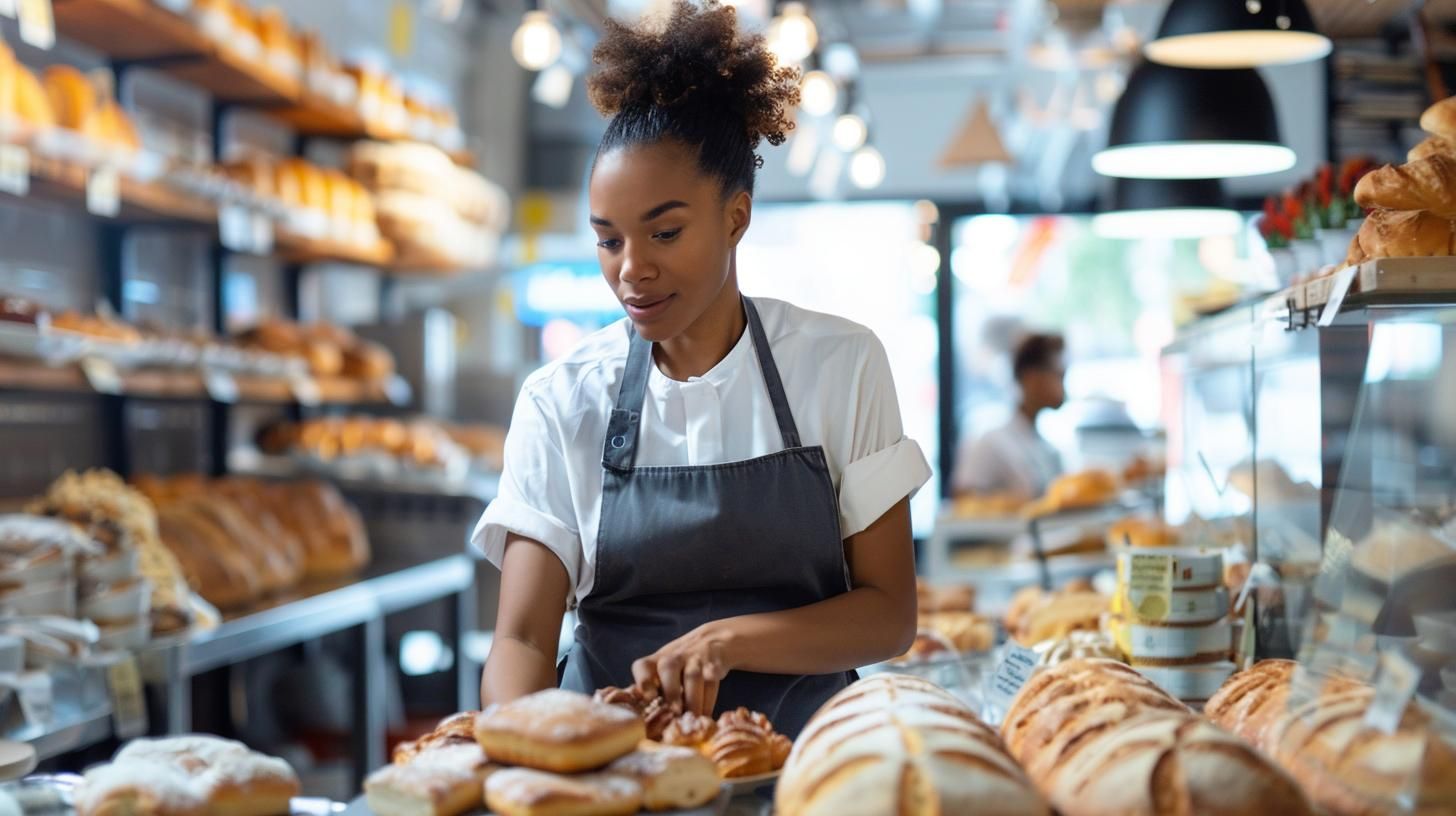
(739, 214)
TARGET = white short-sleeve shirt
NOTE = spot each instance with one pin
(835, 374)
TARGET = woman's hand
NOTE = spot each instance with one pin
(689, 670)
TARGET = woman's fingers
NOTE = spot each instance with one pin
(670, 675)
(644, 675)
(693, 685)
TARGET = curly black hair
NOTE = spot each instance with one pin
(698, 81)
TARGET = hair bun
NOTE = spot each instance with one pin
(699, 58)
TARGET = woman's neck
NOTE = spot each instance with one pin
(708, 340)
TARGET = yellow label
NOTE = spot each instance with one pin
(401, 28)
(128, 707)
(1149, 586)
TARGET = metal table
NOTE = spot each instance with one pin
(358, 606)
(71, 729)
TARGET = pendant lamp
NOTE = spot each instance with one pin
(1234, 34)
(1190, 123)
(1167, 208)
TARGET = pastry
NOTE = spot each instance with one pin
(1426, 184)
(966, 631)
(1395, 548)
(524, 792)
(1170, 762)
(896, 744)
(1140, 532)
(439, 781)
(456, 729)
(1062, 613)
(1440, 119)
(950, 598)
(1397, 234)
(926, 646)
(1075, 491)
(1075, 646)
(186, 775)
(690, 730)
(739, 749)
(1431, 146)
(1025, 599)
(672, 778)
(367, 361)
(558, 730)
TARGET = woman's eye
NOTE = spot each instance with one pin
(667, 235)
(609, 243)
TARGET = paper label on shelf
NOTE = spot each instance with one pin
(102, 375)
(1339, 288)
(128, 707)
(1394, 688)
(37, 23)
(235, 228)
(1247, 636)
(262, 228)
(397, 390)
(305, 390)
(14, 170)
(103, 192)
(1150, 585)
(220, 386)
(1016, 667)
(401, 28)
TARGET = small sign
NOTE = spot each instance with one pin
(37, 23)
(128, 707)
(1150, 586)
(7, 8)
(102, 375)
(262, 229)
(397, 390)
(14, 170)
(1395, 685)
(235, 228)
(305, 390)
(401, 28)
(220, 385)
(103, 192)
(1338, 290)
(1016, 667)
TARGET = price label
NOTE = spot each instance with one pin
(1016, 667)
(103, 192)
(1394, 688)
(14, 170)
(1150, 586)
(220, 385)
(1338, 290)
(262, 232)
(102, 375)
(306, 390)
(128, 706)
(235, 228)
(37, 23)
(7, 8)
(397, 390)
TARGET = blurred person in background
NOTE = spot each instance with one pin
(1014, 459)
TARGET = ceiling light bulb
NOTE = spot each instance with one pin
(792, 34)
(536, 43)
(817, 93)
(850, 132)
(867, 168)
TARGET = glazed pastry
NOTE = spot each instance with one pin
(739, 749)
(456, 729)
(690, 730)
(558, 730)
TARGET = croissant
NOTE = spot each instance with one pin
(1415, 234)
(1427, 184)
(739, 750)
(779, 747)
(1432, 146)
(690, 730)
(1440, 119)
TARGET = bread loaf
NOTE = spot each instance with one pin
(1427, 184)
(893, 744)
(1397, 234)
(1440, 119)
(1431, 146)
(187, 775)
(559, 731)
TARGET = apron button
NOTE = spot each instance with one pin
(619, 442)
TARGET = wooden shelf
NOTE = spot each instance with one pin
(300, 250)
(64, 184)
(19, 375)
(130, 29)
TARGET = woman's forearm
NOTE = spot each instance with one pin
(863, 626)
(514, 669)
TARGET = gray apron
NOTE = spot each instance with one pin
(681, 546)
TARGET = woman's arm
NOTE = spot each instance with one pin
(533, 595)
(874, 621)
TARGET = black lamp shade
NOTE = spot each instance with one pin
(1203, 123)
(1167, 208)
(1167, 194)
(1226, 34)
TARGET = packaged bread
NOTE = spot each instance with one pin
(895, 744)
(560, 731)
(185, 775)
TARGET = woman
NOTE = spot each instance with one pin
(719, 484)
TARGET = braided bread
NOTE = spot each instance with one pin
(739, 749)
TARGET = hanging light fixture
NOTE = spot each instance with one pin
(1188, 123)
(817, 93)
(792, 34)
(1232, 34)
(536, 43)
(867, 168)
(1167, 208)
(850, 132)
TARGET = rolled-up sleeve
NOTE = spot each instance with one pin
(534, 500)
(884, 465)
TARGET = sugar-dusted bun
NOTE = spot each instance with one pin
(441, 781)
(672, 777)
(524, 792)
(558, 730)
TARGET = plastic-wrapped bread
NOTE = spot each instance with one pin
(895, 744)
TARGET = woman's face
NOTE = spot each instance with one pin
(665, 235)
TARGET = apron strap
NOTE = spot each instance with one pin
(620, 447)
(787, 428)
(619, 450)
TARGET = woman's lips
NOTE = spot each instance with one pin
(647, 308)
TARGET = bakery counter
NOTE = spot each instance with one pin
(71, 728)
